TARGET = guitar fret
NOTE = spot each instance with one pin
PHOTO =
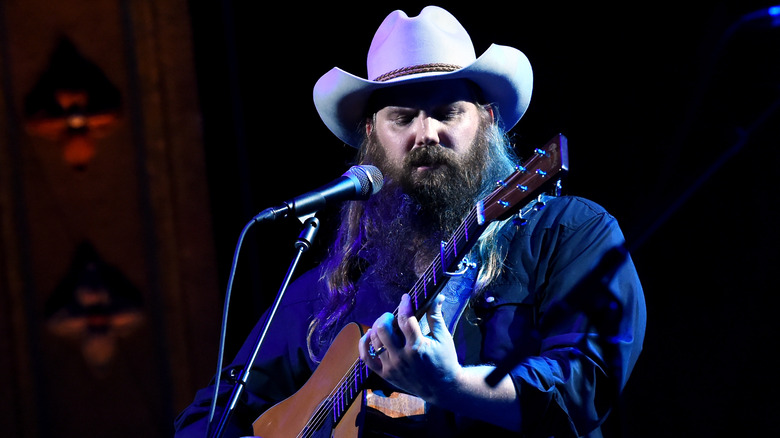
(357, 380)
(339, 405)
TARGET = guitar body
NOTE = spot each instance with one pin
(292, 416)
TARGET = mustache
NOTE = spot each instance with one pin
(429, 156)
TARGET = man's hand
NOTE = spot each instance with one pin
(425, 366)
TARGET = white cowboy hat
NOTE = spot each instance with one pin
(431, 46)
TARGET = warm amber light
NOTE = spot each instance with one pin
(78, 150)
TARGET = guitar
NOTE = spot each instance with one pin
(325, 405)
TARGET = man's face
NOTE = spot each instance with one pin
(432, 145)
(423, 128)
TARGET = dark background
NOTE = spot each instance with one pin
(667, 108)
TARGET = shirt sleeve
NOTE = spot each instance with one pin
(570, 344)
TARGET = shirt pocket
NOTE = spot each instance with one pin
(506, 317)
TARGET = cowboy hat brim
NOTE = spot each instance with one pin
(502, 73)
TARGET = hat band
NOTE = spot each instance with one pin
(423, 68)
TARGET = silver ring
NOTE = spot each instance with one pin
(374, 353)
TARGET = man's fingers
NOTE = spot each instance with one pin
(407, 322)
(382, 333)
(436, 319)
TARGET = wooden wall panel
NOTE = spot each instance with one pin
(142, 203)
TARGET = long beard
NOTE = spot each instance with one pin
(415, 211)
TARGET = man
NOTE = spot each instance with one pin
(431, 116)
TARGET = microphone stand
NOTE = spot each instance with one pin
(310, 227)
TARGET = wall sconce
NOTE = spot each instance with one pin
(72, 104)
(94, 305)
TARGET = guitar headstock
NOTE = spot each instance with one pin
(548, 164)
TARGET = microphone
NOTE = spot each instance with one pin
(357, 183)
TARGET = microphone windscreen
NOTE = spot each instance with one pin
(370, 177)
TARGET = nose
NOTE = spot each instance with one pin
(427, 131)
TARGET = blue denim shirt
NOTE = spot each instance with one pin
(568, 349)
